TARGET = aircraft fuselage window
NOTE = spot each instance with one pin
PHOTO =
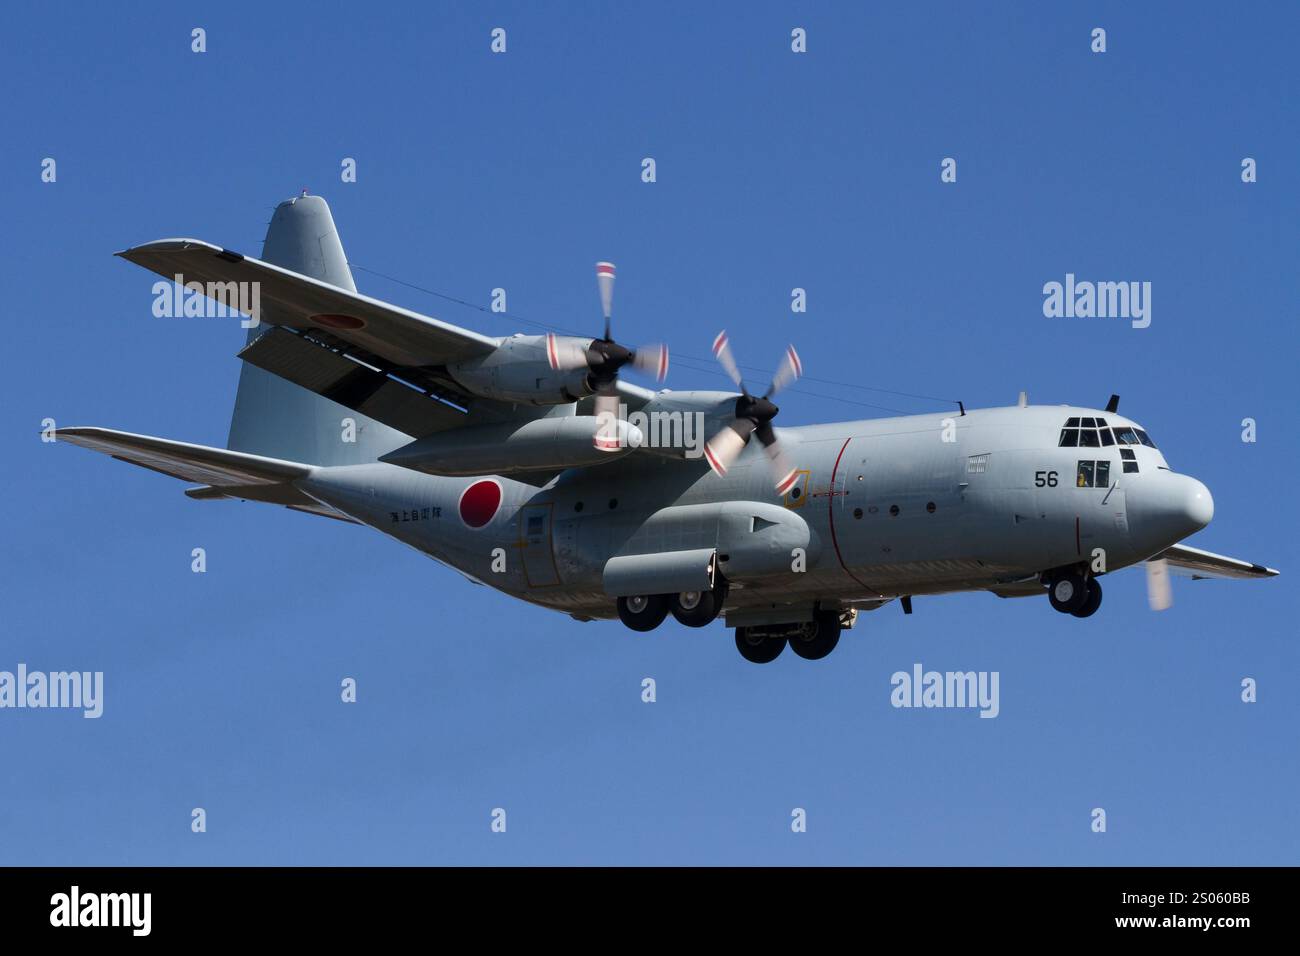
(1130, 461)
(1145, 439)
(1093, 474)
(1069, 438)
(1088, 438)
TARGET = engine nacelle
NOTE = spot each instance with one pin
(520, 371)
(543, 444)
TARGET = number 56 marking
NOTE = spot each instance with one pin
(1044, 479)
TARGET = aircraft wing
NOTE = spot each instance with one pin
(396, 335)
(381, 360)
(1197, 564)
(220, 472)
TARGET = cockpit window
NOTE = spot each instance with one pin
(1093, 474)
(1129, 435)
(1094, 433)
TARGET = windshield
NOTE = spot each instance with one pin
(1093, 432)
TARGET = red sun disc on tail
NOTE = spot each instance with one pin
(479, 503)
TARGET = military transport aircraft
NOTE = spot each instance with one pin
(523, 463)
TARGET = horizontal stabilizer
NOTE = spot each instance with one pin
(1195, 563)
(197, 463)
(221, 472)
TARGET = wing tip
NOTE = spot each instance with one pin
(78, 431)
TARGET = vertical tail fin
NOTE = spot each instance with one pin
(274, 417)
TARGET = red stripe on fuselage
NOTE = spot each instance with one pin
(831, 515)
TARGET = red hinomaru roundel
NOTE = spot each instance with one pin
(479, 503)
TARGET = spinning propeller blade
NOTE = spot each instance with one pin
(1160, 593)
(753, 416)
(603, 358)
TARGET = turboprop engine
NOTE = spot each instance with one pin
(519, 371)
(541, 444)
(557, 369)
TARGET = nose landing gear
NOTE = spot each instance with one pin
(1089, 606)
(1070, 592)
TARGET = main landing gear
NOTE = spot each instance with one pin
(811, 640)
(698, 608)
(1071, 592)
(645, 612)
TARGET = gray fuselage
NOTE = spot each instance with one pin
(921, 504)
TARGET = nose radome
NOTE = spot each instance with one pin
(1166, 507)
(1198, 504)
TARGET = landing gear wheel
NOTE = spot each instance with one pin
(758, 650)
(643, 612)
(1092, 602)
(1068, 592)
(697, 608)
(820, 639)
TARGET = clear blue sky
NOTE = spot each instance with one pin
(774, 171)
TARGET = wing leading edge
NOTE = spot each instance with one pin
(1196, 564)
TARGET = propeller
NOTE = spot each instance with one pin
(1160, 593)
(604, 358)
(753, 417)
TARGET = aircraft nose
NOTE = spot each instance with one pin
(1197, 503)
(1169, 506)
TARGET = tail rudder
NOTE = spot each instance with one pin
(274, 417)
